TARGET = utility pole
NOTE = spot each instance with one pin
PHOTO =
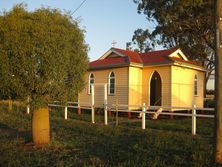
(218, 81)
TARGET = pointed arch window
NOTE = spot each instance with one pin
(195, 85)
(111, 89)
(91, 81)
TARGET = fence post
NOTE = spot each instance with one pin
(105, 105)
(144, 116)
(194, 121)
(28, 106)
(66, 110)
(28, 109)
(78, 109)
(92, 105)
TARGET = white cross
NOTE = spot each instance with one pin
(113, 43)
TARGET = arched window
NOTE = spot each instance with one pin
(91, 81)
(111, 89)
(195, 85)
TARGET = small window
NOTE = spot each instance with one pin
(111, 90)
(91, 81)
(195, 85)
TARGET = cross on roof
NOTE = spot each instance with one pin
(114, 43)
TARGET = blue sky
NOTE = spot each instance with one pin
(103, 20)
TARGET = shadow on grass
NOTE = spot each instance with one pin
(127, 146)
(80, 143)
(13, 134)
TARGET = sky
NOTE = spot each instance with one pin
(104, 21)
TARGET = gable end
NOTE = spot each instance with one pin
(178, 54)
(110, 53)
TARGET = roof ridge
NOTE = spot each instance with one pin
(124, 50)
(176, 47)
(171, 49)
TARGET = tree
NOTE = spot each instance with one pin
(218, 82)
(43, 56)
(188, 24)
(142, 38)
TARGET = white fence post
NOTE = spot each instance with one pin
(194, 120)
(92, 105)
(28, 106)
(105, 105)
(66, 110)
(144, 116)
(28, 109)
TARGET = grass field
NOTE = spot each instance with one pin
(77, 142)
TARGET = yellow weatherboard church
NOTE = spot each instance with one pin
(156, 78)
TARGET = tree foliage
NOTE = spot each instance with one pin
(141, 38)
(188, 24)
(43, 55)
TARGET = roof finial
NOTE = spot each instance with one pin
(114, 43)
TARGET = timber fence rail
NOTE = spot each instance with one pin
(143, 110)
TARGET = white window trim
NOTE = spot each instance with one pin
(89, 83)
(111, 94)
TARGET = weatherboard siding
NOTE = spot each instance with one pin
(133, 73)
(101, 78)
(165, 74)
(135, 86)
(183, 87)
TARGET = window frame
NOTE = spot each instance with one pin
(109, 83)
(195, 85)
(89, 83)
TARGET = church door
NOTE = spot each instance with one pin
(155, 90)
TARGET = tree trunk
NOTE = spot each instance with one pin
(40, 126)
(218, 82)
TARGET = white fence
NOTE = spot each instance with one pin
(145, 110)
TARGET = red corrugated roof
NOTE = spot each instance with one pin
(183, 61)
(133, 56)
(153, 57)
(114, 61)
(160, 56)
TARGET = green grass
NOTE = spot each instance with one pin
(77, 142)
